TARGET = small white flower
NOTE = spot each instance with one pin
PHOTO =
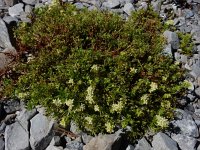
(153, 87)
(57, 102)
(161, 121)
(89, 120)
(69, 103)
(117, 107)
(133, 70)
(96, 108)
(71, 81)
(94, 68)
(109, 127)
(144, 99)
(89, 96)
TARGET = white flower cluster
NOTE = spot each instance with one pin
(109, 127)
(69, 103)
(71, 81)
(133, 70)
(161, 121)
(94, 68)
(154, 86)
(144, 99)
(89, 120)
(96, 108)
(57, 102)
(89, 96)
(22, 95)
(117, 107)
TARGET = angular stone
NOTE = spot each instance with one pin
(2, 144)
(40, 132)
(187, 127)
(16, 10)
(30, 2)
(74, 145)
(2, 4)
(162, 141)
(185, 142)
(9, 19)
(51, 147)
(197, 92)
(28, 8)
(143, 144)
(128, 8)
(12, 106)
(130, 147)
(10, 2)
(55, 141)
(103, 142)
(86, 138)
(25, 116)
(172, 38)
(4, 36)
(16, 137)
(111, 4)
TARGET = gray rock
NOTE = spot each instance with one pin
(111, 4)
(30, 2)
(187, 127)
(10, 2)
(196, 1)
(172, 39)
(185, 142)
(16, 10)
(184, 59)
(16, 137)
(4, 36)
(188, 13)
(2, 144)
(128, 8)
(156, 5)
(51, 147)
(86, 138)
(104, 142)
(197, 92)
(28, 8)
(143, 144)
(79, 5)
(9, 19)
(74, 145)
(74, 128)
(168, 50)
(2, 4)
(40, 132)
(55, 141)
(12, 106)
(163, 142)
(130, 147)
(24, 117)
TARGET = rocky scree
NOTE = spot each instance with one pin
(23, 129)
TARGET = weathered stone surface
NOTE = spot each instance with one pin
(6, 57)
(143, 144)
(30, 2)
(12, 105)
(51, 147)
(16, 10)
(163, 142)
(172, 39)
(74, 145)
(130, 147)
(40, 132)
(128, 8)
(16, 137)
(86, 138)
(187, 127)
(9, 19)
(197, 92)
(55, 141)
(104, 142)
(25, 116)
(4, 36)
(185, 142)
(10, 2)
(111, 4)
(2, 144)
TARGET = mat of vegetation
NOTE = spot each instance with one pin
(96, 69)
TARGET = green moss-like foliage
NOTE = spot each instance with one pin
(98, 70)
(186, 43)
